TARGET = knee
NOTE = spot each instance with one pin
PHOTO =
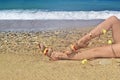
(114, 18)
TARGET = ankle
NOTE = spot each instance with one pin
(72, 49)
(86, 38)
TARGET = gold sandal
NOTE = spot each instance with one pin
(46, 51)
(72, 49)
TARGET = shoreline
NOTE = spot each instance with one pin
(44, 25)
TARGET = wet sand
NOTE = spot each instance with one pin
(21, 59)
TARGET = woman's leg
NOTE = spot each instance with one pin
(99, 52)
(107, 51)
(110, 23)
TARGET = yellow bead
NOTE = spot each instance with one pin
(109, 41)
(104, 31)
(84, 61)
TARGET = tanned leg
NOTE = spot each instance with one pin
(99, 52)
(107, 51)
(110, 23)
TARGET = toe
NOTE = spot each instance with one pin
(42, 47)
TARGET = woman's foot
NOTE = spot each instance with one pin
(41, 47)
(45, 50)
(58, 56)
(74, 48)
(82, 43)
(49, 52)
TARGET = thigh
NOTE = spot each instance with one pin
(116, 49)
(116, 32)
(104, 52)
(107, 51)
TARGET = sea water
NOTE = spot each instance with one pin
(35, 14)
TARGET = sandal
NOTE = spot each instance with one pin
(72, 49)
(46, 51)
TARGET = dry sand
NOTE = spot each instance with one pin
(21, 59)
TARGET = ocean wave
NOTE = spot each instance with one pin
(48, 15)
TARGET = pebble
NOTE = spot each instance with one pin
(25, 42)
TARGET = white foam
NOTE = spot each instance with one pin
(46, 15)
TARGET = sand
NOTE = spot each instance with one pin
(21, 59)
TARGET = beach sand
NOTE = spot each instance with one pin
(21, 59)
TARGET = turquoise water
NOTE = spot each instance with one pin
(62, 5)
(20, 15)
(59, 9)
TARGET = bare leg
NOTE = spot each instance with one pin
(110, 23)
(99, 52)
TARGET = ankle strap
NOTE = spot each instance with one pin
(45, 51)
(74, 47)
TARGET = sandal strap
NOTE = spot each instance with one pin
(45, 51)
(48, 51)
(74, 47)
